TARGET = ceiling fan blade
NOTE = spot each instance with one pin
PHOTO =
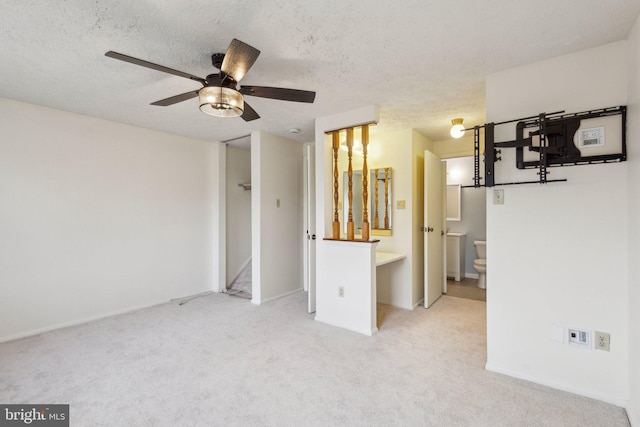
(238, 59)
(279, 93)
(249, 113)
(175, 99)
(136, 61)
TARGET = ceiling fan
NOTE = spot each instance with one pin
(220, 95)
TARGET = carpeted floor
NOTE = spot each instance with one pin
(218, 361)
(242, 286)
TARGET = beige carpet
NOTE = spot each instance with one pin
(218, 361)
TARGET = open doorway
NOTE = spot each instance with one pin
(466, 225)
(238, 218)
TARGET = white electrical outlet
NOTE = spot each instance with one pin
(341, 291)
(601, 340)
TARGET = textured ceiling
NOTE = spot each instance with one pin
(422, 62)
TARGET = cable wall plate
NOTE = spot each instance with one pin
(579, 337)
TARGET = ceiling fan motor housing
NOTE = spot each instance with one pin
(216, 60)
(221, 80)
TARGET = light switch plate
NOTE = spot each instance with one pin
(498, 197)
(401, 204)
(557, 333)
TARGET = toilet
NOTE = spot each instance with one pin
(480, 264)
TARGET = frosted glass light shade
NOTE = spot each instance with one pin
(221, 101)
(457, 130)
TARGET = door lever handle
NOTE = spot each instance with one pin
(429, 229)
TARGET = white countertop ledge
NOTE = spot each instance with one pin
(383, 258)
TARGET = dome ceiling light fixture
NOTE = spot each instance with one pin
(457, 130)
(221, 101)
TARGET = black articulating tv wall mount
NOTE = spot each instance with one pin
(553, 137)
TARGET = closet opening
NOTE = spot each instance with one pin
(238, 218)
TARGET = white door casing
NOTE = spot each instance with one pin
(444, 226)
(309, 235)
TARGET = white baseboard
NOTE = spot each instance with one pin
(634, 419)
(581, 392)
(70, 323)
(186, 299)
(472, 275)
(276, 297)
(366, 332)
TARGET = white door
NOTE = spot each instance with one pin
(444, 226)
(309, 234)
(434, 273)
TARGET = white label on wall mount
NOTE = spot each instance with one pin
(592, 137)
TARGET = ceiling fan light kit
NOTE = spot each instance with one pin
(220, 95)
(221, 101)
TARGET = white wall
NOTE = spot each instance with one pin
(394, 149)
(558, 253)
(238, 212)
(462, 147)
(400, 283)
(404, 151)
(353, 270)
(276, 171)
(99, 218)
(330, 307)
(633, 146)
(460, 171)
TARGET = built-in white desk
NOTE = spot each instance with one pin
(386, 275)
(348, 287)
(383, 258)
